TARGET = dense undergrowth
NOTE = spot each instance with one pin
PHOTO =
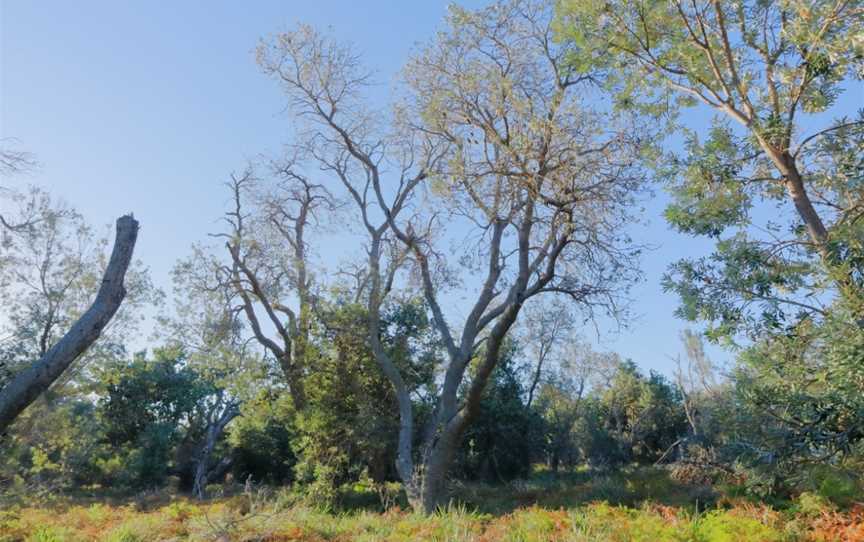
(641, 505)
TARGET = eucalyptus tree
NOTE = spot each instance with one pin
(266, 275)
(493, 146)
(771, 72)
(346, 140)
(539, 174)
(774, 181)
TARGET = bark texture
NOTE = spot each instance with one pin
(27, 385)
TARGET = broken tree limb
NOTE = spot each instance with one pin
(27, 385)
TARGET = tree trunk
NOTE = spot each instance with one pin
(203, 472)
(27, 385)
(427, 486)
(534, 381)
(815, 228)
(441, 444)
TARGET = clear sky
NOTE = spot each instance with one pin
(148, 106)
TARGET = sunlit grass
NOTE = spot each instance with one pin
(628, 505)
(184, 520)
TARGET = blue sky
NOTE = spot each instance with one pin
(148, 106)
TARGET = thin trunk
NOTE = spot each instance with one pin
(535, 380)
(816, 230)
(27, 385)
(812, 221)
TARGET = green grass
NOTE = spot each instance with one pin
(630, 505)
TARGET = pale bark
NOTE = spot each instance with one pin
(526, 189)
(254, 281)
(204, 471)
(27, 385)
(726, 92)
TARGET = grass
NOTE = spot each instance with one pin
(638, 505)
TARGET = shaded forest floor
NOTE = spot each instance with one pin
(638, 505)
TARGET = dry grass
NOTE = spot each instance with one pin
(638, 505)
(230, 520)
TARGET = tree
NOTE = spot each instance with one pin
(495, 128)
(561, 399)
(16, 162)
(52, 358)
(808, 384)
(209, 329)
(632, 419)
(546, 324)
(773, 69)
(696, 380)
(346, 432)
(264, 438)
(499, 443)
(269, 265)
(789, 280)
(161, 417)
(144, 407)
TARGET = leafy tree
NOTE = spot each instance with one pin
(563, 398)
(52, 450)
(150, 407)
(499, 444)
(774, 69)
(808, 383)
(346, 433)
(773, 181)
(515, 155)
(263, 439)
(630, 419)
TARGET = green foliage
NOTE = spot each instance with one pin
(778, 194)
(735, 290)
(718, 526)
(707, 193)
(262, 440)
(53, 446)
(348, 429)
(634, 419)
(808, 380)
(498, 445)
(150, 406)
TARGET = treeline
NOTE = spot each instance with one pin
(489, 206)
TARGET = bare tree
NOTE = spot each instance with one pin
(16, 162)
(28, 384)
(695, 377)
(13, 161)
(268, 271)
(494, 138)
(547, 325)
